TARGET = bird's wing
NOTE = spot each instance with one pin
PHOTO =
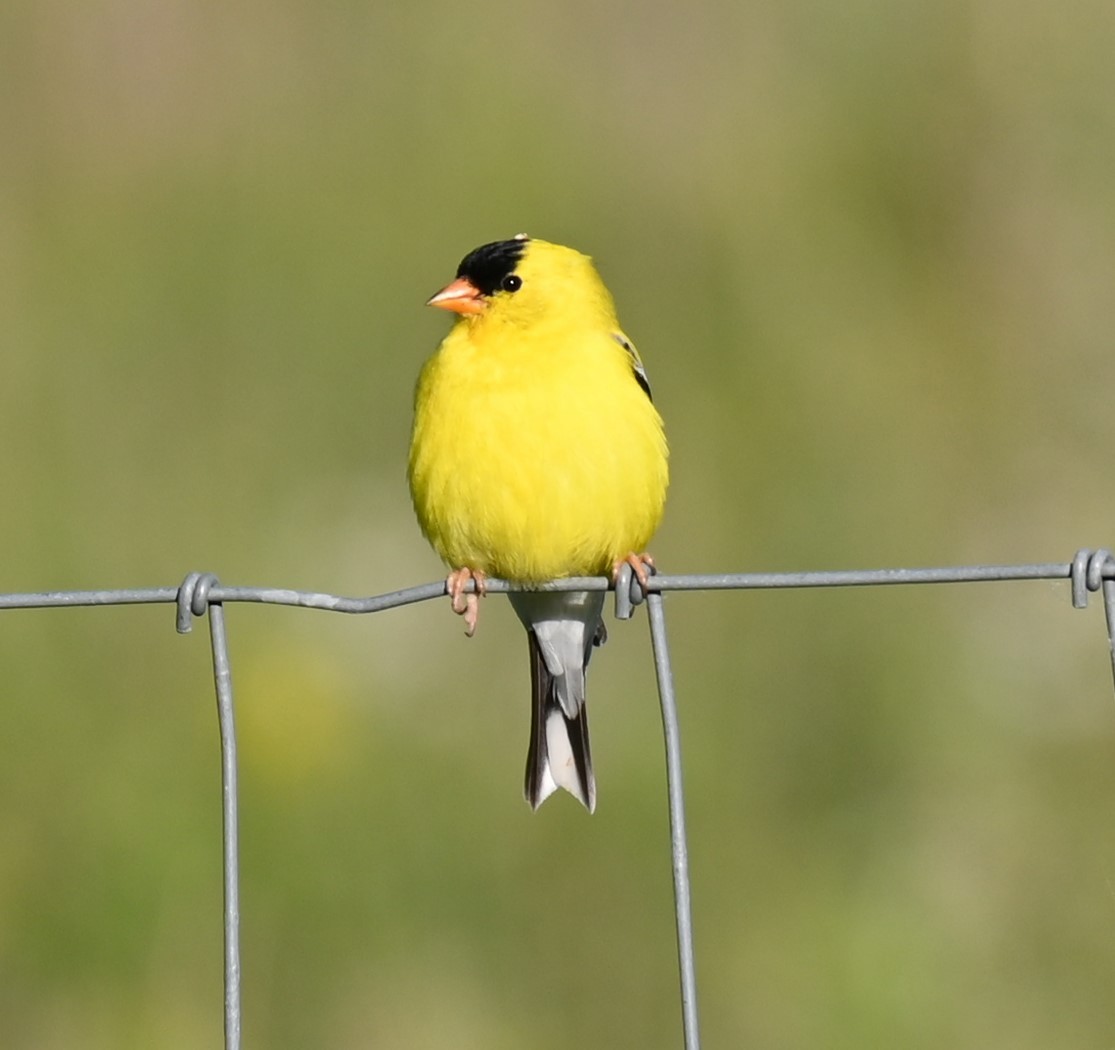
(636, 362)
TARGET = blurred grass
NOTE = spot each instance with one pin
(867, 253)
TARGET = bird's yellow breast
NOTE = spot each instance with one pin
(535, 455)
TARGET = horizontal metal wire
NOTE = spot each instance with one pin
(658, 583)
(201, 593)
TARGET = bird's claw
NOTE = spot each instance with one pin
(642, 565)
(466, 604)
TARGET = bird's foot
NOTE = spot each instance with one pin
(642, 565)
(466, 605)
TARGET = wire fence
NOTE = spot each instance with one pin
(202, 593)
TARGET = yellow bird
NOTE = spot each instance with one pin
(536, 454)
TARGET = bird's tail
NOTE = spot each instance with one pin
(561, 631)
(559, 754)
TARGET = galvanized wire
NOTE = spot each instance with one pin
(1089, 571)
(222, 676)
(679, 847)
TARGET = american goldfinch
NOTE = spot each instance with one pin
(537, 453)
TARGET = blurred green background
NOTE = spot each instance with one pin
(867, 251)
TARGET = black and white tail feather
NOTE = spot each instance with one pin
(562, 629)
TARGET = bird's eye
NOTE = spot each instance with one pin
(511, 283)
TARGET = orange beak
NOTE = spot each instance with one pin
(461, 296)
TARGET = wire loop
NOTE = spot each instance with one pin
(624, 604)
(629, 591)
(193, 599)
(1098, 564)
(1087, 572)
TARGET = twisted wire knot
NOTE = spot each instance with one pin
(629, 591)
(193, 599)
(1088, 571)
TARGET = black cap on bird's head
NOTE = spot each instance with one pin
(483, 272)
(487, 266)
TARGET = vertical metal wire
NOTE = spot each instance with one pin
(679, 848)
(1109, 613)
(222, 677)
